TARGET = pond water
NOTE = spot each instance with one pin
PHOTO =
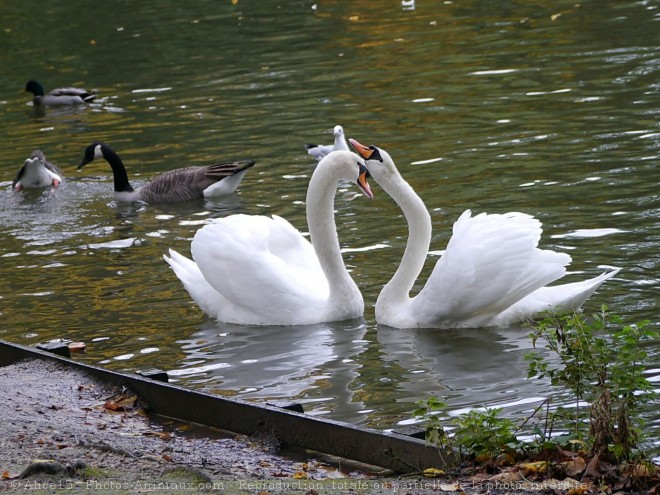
(493, 106)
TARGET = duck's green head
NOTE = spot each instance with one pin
(34, 87)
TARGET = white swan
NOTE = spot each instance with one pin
(491, 274)
(318, 151)
(258, 270)
(173, 186)
(36, 172)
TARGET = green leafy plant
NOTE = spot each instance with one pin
(601, 361)
(429, 411)
(482, 434)
(487, 436)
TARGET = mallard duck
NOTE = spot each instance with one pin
(174, 186)
(318, 151)
(37, 172)
(58, 97)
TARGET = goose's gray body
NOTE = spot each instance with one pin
(174, 186)
(37, 172)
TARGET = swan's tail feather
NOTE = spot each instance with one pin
(194, 282)
(562, 298)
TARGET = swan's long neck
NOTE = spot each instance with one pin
(323, 233)
(419, 238)
(118, 170)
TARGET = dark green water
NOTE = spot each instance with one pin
(494, 106)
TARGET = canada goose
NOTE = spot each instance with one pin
(173, 186)
(318, 151)
(37, 172)
(58, 97)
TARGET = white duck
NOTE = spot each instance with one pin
(37, 172)
(318, 151)
(173, 186)
(59, 97)
(492, 272)
(258, 270)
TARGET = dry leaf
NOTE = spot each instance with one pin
(454, 487)
(121, 403)
(433, 472)
(77, 347)
(163, 435)
(299, 475)
(574, 466)
(507, 476)
(537, 467)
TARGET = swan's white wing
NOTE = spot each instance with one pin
(491, 262)
(261, 264)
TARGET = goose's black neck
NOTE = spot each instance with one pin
(118, 169)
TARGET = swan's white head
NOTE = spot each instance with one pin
(346, 165)
(378, 161)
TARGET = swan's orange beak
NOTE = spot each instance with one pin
(364, 151)
(362, 183)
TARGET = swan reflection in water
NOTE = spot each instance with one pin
(467, 368)
(314, 365)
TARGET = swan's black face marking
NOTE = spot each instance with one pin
(375, 154)
(363, 170)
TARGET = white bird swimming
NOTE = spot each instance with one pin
(59, 97)
(318, 151)
(492, 272)
(37, 172)
(260, 270)
(173, 186)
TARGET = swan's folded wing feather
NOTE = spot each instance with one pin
(491, 262)
(260, 263)
(206, 297)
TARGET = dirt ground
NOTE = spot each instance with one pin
(61, 430)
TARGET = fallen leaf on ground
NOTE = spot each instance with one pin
(537, 467)
(453, 487)
(574, 466)
(507, 476)
(121, 403)
(163, 435)
(433, 472)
